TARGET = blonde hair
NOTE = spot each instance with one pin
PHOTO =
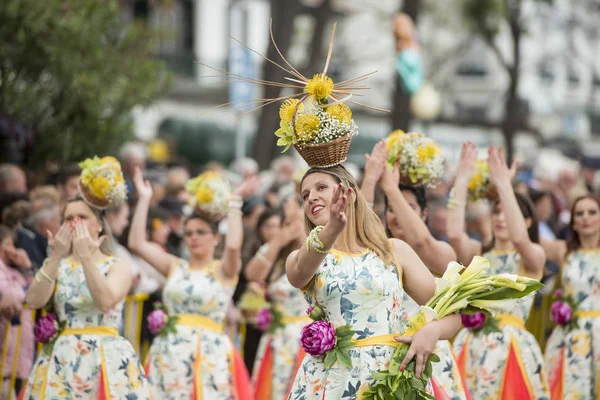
(364, 228)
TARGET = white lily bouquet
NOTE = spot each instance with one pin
(419, 157)
(470, 292)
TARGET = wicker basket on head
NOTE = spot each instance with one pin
(325, 155)
(91, 198)
(492, 193)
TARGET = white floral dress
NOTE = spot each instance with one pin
(358, 290)
(507, 365)
(279, 352)
(572, 357)
(198, 361)
(445, 372)
(89, 364)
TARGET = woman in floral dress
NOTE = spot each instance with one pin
(86, 287)
(198, 360)
(279, 350)
(572, 355)
(406, 211)
(507, 364)
(355, 278)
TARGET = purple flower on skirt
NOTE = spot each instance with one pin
(263, 319)
(561, 313)
(473, 321)
(318, 338)
(558, 293)
(156, 320)
(46, 328)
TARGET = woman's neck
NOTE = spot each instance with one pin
(503, 245)
(590, 242)
(199, 262)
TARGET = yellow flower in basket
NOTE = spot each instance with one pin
(420, 158)
(210, 194)
(101, 182)
(479, 185)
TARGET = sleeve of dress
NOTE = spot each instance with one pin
(410, 69)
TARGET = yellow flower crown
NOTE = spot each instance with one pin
(419, 157)
(210, 192)
(315, 119)
(101, 182)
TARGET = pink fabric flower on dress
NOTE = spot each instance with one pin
(156, 320)
(473, 321)
(46, 328)
(561, 313)
(263, 319)
(318, 338)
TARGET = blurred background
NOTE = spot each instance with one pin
(80, 78)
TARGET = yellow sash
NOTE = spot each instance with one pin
(588, 314)
(199, 321)
(291, 320)
(510, 320)
(91, 330)
(378, 340)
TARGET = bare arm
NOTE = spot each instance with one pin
(465, 247)
(138, 243)
(374, 167)
(303, 264)
(532, 254)
(107, 291)
(231, 263)
(418, 282)
(41, 290)
(434, 253)
(556, 250)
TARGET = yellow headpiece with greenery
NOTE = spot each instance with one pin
(210, 192)
(480, 186)
(101, 182)
(419, 157)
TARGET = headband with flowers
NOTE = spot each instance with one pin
(101, 182)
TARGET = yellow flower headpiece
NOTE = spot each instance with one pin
(314, 119)
(101, 182)
(419, 157)
(480, 186)
(210, 192)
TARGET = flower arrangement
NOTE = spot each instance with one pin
(419, 158)
(159, 321)
(564, 310)
(321, 339)
(210, 193)
(101, 182)
(460, 290)
(47, 330)
(480, 323)
(269, 319)
(480, 186)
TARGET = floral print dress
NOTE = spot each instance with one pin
(507, 365)
(445, 372)
(572, 357)
(198, 361)
(279, 352)
(90, 362)
(358, 290)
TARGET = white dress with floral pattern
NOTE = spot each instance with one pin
(86, 366)
(194, 362)
(285, 341)
(573, 357)
(483, 358)
(445, 372)
(358, 290)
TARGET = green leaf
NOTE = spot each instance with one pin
(379, 376)
(330, 358)
(344, 332)
(428, 369)
(344, 359)
(434, 358)
(394, 368)
(345, 345)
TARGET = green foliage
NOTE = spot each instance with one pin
(484, 16)
(73, 71)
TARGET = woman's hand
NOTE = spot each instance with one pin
(375, 163)
(337, 209)
(142, 187)
(390, 179)
(83, 244)
(499, 171)
(247, 188)
(422, 344)
(467, 161)
(60, 246)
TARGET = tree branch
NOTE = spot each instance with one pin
(436, 65)
(489, 41)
